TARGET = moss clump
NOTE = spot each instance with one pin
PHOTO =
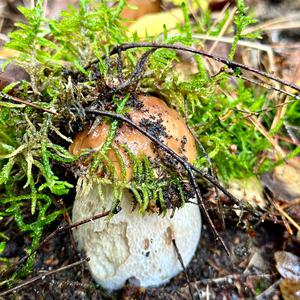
(57, 54)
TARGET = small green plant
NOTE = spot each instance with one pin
(241, 21)
(58, 56)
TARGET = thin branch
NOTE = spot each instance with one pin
(266, 85)
(204, 210)
(183, 267)
(18, 100)
(188, 167)
(57, 231)
(42, 276)
(136, 72)
(183, 162)
(231, 64)
(208, 160)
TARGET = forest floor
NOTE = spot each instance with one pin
(253, 271)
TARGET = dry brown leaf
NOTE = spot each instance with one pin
(290, 290)
(248, 190)
(139, 8)
(284, 183)
(153, 24)
(288, 265)
(11, 74)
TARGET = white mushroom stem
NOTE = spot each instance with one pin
(132, 244)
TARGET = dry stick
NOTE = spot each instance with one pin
(42, 276)
(18, 100)
(124, 47)
(183, 267)
(68, 220)
(267, 86)
(208, 160)
(188, 167)
(211, 170)
(58, 230)
(266, 293)
(230, 279)
(208, 177)
(229, 63)
(120, 68)
(202, 206)
(135, 74)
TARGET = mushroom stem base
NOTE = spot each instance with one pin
(132, 244)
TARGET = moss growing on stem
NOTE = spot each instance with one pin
(57, 54)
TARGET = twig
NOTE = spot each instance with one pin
(208, 177)
(188, 167)
(204, 210)
(68, 220)
(268, 291)
(287, 216)
(136, 72)
(268, 86)
(42, 276)
(230, 279)
(18, 100)
(58, 230)
(247, 44)
(183, 267)
(208, 160)
(231, 64)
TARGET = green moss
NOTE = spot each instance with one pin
(34, 154)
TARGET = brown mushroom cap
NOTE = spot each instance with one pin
(157, 118)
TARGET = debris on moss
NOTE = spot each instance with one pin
(65, 79)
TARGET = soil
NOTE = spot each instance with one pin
(247, 272)
(250, 271)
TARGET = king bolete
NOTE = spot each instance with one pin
(134, 244)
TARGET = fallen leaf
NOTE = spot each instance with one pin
(11, 74)
(153, 24)
(288, 265)
(248, 190)
(284, 182)
(138, 8)
(290, 290)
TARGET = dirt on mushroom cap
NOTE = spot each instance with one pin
(156, 117)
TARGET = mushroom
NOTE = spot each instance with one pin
(132, 244)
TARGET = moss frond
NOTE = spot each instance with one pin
(35, 164)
